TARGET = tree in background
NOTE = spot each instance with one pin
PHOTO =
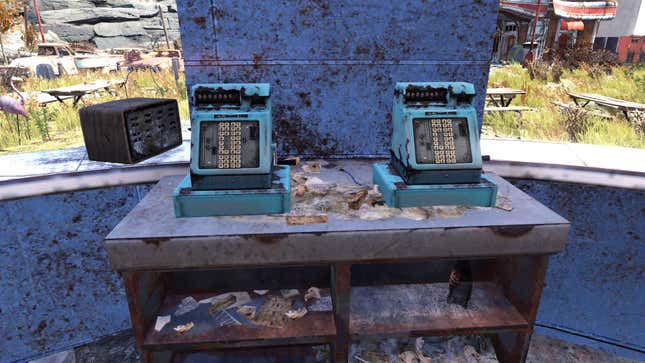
(9, 16)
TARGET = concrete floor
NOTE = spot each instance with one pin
(121, 348)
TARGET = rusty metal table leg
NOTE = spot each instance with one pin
(521, 279)
(145, 292)
(340, 293)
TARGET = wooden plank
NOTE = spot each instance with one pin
(608, 101)
(422, 310)
(314, 328)
(504, 91)
(509, 109)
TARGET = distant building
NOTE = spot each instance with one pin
(560, 24)
(625, 34)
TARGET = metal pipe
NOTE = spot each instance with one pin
(40, 24)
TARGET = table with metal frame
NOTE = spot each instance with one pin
(502, 97)
(386, 273)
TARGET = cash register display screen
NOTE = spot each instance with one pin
(229, 145)
(442, 141)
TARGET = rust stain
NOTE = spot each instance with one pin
(401, 185)
(200, 21)
(267, 239)
(511, 231)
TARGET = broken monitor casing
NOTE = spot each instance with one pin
(232, 169)
(435, 153)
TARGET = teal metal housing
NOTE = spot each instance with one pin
(204, 203)
(238, 102)
(398, 194)
(415, 102)
(232, 169)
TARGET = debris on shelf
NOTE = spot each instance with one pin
(311, 167)
(291, 160)
(296, 314)
(222, 304)
(247, 311)
(241, 298)
(181, 329)
(289, 293)
(301, 189)
(316, 185)
(355, 201)
(412, 357)
(261, 292)
(272, 312)
(187, 305)
(161, 322)
(416, 213)
(312, 293)
(299, 177)
(321, 305)
(299, 220)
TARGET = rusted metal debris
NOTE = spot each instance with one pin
(272, 312)
(356, 199)
(222, 305)
(247, 311)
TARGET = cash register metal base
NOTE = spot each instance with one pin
(204, 203)
(398, 194)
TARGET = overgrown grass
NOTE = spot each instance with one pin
(57, 125)
(550, 123)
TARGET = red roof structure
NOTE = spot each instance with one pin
(585, 10)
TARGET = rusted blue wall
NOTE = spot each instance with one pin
(56, 287)
(333, 64)
(57, 290)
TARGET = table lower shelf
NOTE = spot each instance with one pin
(422, 310)
(315, 328)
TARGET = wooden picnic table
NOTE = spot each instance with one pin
(81, 90)
(625, 106)
(502, 97)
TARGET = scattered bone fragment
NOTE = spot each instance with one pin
(187, 305)
(295, 220)
(313, 293)
(296, 314)
(272, 312)
(181, 329)
(161, 322)
(311, 167)
(412, 357)
(301, 190)
(247, 311)
(299, 178)
(356, 200)
(261, 292)
(289, 293)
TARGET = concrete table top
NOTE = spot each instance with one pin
(150, 237)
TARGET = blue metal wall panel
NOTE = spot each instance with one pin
(596, 286)
(56, 288)
(337, 109)
(333, 64)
